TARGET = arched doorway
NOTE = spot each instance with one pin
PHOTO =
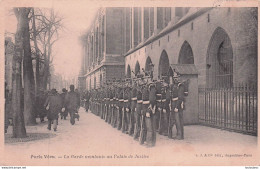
(128, 72)
(163, 64)
(219, 64)
(137, 68)
(186, 54)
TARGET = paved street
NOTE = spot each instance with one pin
(91, 141)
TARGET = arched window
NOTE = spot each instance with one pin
(163, 64)
(137, 68)
(219, 60)
(186, 54)
(128, 73)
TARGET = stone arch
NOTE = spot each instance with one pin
(137, 67)
(219, 62)
(164, 64)
(186, 54)
(128, 72)
(148, 63)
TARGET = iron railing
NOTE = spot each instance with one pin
(229, 108)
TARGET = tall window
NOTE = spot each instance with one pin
(220, 60)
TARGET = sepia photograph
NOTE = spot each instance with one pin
(152, 83)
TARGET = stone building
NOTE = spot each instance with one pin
(216, 48)
(104, 46)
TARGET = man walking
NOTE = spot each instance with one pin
(73, 102)
(53, 105)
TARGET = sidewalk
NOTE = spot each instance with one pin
(91, 136)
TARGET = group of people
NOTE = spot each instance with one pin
(64, 103)
(142, 106)
(49, 104)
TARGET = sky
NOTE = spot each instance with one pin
(67, 50)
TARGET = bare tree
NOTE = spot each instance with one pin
(19, 130)
(46, 25)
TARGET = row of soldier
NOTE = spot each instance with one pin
(141, 106)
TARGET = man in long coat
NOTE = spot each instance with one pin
(53, 105)
(73, 103)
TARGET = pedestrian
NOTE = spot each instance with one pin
(73, 102)
(64, 112)
(53, 105)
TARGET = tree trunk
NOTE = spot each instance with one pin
(28, 77)
(19, 130)
(37, 57)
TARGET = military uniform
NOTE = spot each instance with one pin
(133, 100)
(145, 112)
(137, 113)
(120, 107)
(150, 116)
(113, 106)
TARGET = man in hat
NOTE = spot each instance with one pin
(145, 112)
(64, 112)
(177, 106)
(138, 111)
(73, 102)
(133, 99)
(150, 114)
(120, 105)
(164, 108)
(53, 105)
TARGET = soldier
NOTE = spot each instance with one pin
(150, 115)
(133, 98)
(106, 101)
(116, 104)
(120, 105)
(164, 108)
(145, 111)
(138, 111)
(113, 106)
(126, 110)
(177, 105)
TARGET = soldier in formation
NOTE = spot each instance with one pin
(142, 106)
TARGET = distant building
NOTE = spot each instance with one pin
(104, 46)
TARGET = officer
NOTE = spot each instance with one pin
(178, 92)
